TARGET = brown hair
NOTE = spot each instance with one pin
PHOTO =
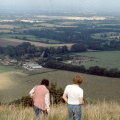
(45, 82)
(77, 79)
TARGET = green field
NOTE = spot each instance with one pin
(6, 69)
(109, 35)
(29, 38)
(105, 59)
(15, 84)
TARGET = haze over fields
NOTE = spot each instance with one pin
(63, 5)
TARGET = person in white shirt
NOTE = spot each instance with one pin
(73, 95)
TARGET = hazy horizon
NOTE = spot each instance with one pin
(60, 5)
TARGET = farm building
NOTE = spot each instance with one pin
(32, 66)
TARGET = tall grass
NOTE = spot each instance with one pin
(98, 111)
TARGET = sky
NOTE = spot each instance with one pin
(90, 5)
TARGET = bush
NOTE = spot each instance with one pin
(55, 96)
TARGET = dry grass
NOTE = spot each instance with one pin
(102, 111)
(5, 31)
(6, 79)
(98, 111)
(37, 43)
(85, 18)
(72, 18)
(4, 43)
(8, 26)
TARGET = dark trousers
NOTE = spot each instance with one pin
(40, 113)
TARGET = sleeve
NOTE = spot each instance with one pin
(31, 93)
(66, 91)
(47, 100)
(81, 93)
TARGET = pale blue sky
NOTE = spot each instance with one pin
(59, 4)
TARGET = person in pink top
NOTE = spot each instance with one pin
(40, 95)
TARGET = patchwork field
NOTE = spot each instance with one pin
(34, 43)
(18, 83)
(72, 18)
(7, 26)
(105, 59)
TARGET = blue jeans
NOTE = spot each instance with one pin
(40, 113)
(74, 112)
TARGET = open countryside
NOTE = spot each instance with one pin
(105, 59)
(70, 30)
(20, 82)
(73, 44)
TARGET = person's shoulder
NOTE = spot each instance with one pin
(68, 86)
(80, 88)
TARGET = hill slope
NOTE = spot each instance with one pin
(15, 84)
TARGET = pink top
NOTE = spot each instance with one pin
(39, 96)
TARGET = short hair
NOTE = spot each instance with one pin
(45, 82)
(77, 79)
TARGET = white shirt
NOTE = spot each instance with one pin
(74, 93)
(47, 98)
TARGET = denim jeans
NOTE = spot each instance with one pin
(74, 112)
(40, 113)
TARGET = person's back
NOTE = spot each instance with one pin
(74, 92)
(73, 95)
(39, 96)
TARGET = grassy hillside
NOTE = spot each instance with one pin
(18, 83)
(98, 111)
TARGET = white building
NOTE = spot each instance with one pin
(32, 66)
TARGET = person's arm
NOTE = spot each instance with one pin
(65, 97)
(81, 101)
(47, 102)
(31, 93)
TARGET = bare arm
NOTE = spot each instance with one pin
(81, 101)
(31, 93)
(65, 97)
(47, 102)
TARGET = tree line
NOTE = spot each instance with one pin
(27, 48)
(96, 70)
(52, 62)
(77, 35)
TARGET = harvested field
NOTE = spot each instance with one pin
(85, 18)
(36, 43)
(5, 31)
(4, 43)
(53, 25)
(7, 26)
(72, 18)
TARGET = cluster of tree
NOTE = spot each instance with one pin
(18, 50)
(80, 34)
(114, 44)
(96, 70)
(27, 48)
(66, 36)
